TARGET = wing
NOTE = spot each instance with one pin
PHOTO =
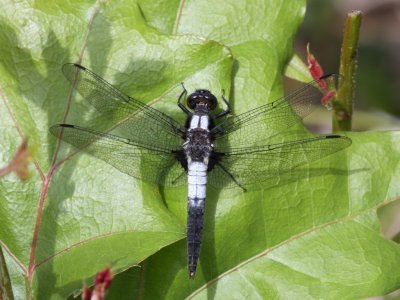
(151, 164)
(250, 165)
(270, 119)
(135, 120)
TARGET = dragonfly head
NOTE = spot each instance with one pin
(202, 99)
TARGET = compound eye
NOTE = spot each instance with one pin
(192, 101)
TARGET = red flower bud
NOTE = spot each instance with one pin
(86, 292)
(316, 70)
(101, 284)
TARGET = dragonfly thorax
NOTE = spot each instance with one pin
(198, 145)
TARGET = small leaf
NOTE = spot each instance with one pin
(20, 162)
(297, 70)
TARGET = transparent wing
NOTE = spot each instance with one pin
(250, 165)
(135, 120)
(148, 163)
(260, 124)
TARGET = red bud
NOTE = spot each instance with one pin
(101, 284)
(316, 70)
(86, 292)
(104, 277)
(327, 97)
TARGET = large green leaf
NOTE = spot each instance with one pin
(312, 213)
(312, 234)
(88, 214)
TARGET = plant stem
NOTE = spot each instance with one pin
(343, 109)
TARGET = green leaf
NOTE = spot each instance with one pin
(242, 229)
(6, 292)
(88, 214)
(296, 69)
(313, 233)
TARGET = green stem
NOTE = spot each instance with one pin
(343, 108)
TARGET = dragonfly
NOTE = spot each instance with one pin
(210, 148)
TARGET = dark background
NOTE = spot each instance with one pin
(377, 102)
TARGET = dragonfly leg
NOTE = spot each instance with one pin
(178, 177)
(232, 177)
(228, 109)
(180, 104)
